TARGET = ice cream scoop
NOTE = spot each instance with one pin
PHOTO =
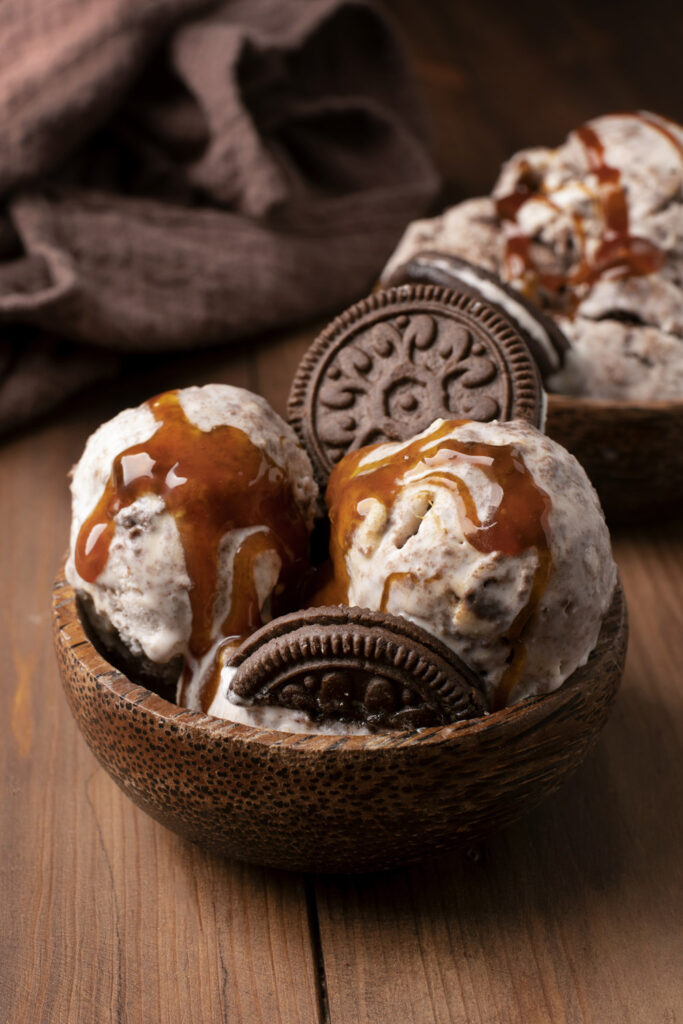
(191, 521)
(592, 232)
(488, 535)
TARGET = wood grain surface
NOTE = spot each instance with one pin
(573, 915)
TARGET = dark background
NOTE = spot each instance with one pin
(500, 76)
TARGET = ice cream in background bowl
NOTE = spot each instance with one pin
(591, 232)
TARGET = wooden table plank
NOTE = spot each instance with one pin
(105, 915)
(574, 914)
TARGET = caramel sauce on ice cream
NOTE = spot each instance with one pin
(619, 254)
(212, 482)
(590, 233)
(517, 523)
(192, 519)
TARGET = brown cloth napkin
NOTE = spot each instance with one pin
(175, 173)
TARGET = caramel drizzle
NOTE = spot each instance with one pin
(518, 523)
(211, 482)
(394, 577)
(619, 253)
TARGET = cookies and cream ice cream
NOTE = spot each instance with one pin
(191, 522)
(488, 535)
(592, 232)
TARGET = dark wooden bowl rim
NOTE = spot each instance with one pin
(622, 405)
(532, 709)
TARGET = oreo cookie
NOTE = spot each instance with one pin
(393, 363)
(352, 665)
(545, 339)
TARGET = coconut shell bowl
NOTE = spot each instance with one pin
(330, 803)
(436, 770)
(631, 451)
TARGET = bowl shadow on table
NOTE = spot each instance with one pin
(605, 833)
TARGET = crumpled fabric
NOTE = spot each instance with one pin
(176, 174)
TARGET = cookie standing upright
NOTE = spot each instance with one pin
(397, 360)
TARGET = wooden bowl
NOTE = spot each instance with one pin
(632, 451)
(332, 803)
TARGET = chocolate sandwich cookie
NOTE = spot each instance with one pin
(390, 365)
(545, 339)
(352, 665)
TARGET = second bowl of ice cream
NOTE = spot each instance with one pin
(591, 235)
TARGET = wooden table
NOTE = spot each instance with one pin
(573, 915)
